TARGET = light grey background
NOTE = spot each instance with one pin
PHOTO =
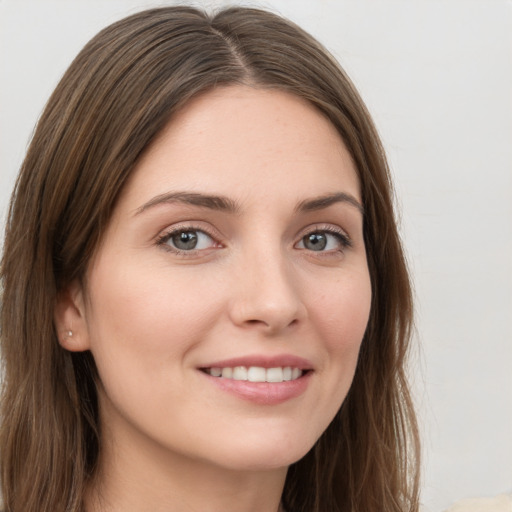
(437, 76)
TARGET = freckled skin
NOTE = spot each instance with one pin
(152, 316)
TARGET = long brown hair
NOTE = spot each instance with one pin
(115, 98)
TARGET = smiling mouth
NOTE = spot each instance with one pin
(256, 373)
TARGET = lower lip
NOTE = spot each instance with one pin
(263, 393)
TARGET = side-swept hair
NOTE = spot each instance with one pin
(117, 95)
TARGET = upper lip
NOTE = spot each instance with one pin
(263, 361)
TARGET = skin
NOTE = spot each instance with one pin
(152, 317)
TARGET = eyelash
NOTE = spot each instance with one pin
(342, 237)
(162, 241)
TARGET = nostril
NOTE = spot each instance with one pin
(271, 324)
(255, 322)
(270, 309)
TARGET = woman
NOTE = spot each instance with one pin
(206, 304)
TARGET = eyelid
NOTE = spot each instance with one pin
(338, 232)
(162, 238)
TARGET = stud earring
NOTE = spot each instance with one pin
(70, 334)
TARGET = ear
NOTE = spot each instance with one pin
(70, 319)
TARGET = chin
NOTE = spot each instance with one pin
(263, 455)
(263, 461)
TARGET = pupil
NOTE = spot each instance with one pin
(185, 240)
(315, 241)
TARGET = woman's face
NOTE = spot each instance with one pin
(234, 255)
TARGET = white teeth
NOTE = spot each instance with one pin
(287, 373)
(215, 372)
(227, 373)
(256, 373)
(240, 373)
(275, 375)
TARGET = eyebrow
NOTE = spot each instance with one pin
(192, 198)
(221, 203)
(319, 203)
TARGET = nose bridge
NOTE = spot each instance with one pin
(267, 294)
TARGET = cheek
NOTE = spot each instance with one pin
(144, 324)
(341, 315)
(343, 311)
(149, 315)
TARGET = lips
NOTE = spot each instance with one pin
(261, 379)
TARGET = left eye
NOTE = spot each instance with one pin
(322, 241)
(188, 240)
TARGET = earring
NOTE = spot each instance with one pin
(69, 334)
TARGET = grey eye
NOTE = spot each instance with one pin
(185, 241)
(189, 240)
(315, 241)
(322, 241)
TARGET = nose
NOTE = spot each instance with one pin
(267, 296)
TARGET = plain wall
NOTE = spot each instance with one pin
(437, 77)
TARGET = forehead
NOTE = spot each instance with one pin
(246, 142)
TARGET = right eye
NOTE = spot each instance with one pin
(186, 240)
